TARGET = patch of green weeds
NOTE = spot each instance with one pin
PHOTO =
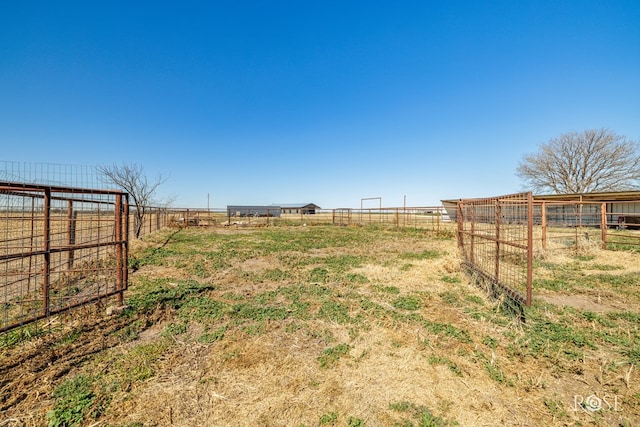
(356, 278)
(331, 355)
(299, 309)
(629, 316)
(421, 414)
(546, 338)
(165, 293)
(633, 354)
(439, 360)
(277, 275)
(256, 328)
(447, 329)
(552, 284)
(249, 311)
(451, 279)
(622, 246)
(555, 407)
(341, 263)
(335, 312)
(409, 302)
(202, 309)
(406, 267)
(424, 255)
(597, 318)
(24, 333)
(394, 290)
(173, 329)
(74, 400)
(497, 374)
(130, 331)
(373, 309)
(355, 422)
(606, 267)
(491, 367)
(319, 275)
(474, 299)
(211, 337)
(199, 270)
(329, 418)
(155, 256)
(490, 342)
(623, 283)
(450, 297)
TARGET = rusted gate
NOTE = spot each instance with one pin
(60, 247)
(495, 238)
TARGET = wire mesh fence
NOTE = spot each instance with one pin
(61, 175)
(495, 239)
(60, 247)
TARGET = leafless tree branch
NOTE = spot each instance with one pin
(132, 179)
(583, 162)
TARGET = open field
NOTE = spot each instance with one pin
(333, 326)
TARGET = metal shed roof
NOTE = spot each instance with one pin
(299, 206)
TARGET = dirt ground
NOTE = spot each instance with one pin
(392, 372)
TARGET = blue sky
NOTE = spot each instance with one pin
(260, 102)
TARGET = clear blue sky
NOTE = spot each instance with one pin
(260, 102)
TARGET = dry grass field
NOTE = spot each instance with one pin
(333, 326)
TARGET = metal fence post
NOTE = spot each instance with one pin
(603, 224)
(118, 232)
(529, 248)
(497, 221)
(46, 234)
(71, 231)
(125, 243)
(543, 221)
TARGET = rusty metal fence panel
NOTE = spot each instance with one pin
(495, 239)
(60, 247)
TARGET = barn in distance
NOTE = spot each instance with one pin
(271, 210)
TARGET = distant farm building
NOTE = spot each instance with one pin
(271, 210)
(299, 208)
(253, 211)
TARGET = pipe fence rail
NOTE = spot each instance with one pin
(60, 247)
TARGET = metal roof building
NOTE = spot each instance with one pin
(252, 210)
(299, 208)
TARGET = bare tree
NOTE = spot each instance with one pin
(132, 179)
(583, 162)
